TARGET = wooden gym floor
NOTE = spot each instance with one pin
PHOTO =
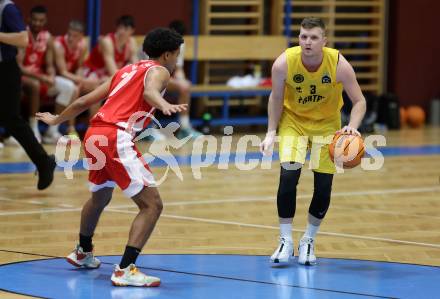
(391, 214)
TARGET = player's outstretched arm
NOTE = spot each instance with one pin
(155, 82)
(347, 76)
(78, 106)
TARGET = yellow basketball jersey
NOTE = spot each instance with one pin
(313, 96)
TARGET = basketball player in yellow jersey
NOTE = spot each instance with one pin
(305, 103)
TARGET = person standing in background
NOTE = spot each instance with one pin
(13, 34)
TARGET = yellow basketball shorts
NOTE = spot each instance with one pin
(297, 137)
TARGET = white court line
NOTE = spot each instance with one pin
(228, 200)
(273, 198)
(41, 211)
(386, 212)
(228, 223)
(27, 202)
(5, 199)
(35, 202)
(255, 198)
(263, 198)
(65, 205)
(277, 228)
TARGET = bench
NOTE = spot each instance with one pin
(216, 48)
(221, 48)
(226, 92)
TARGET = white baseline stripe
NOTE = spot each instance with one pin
(276, 228)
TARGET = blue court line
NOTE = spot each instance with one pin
(185, 160)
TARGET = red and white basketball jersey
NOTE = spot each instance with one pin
(34, 58)
(121, 57)
(125, 106)
(95, 61)
(71, 56)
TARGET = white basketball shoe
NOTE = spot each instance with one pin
(79, 258)
(284, 251)
(306, 251)
(131, 276)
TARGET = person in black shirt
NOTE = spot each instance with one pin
(13, 34)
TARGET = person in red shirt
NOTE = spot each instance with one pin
(112, 52)
(39, 79)
(70, 53)
(73, 48)
(132, 95)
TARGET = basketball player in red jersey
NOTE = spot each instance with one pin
(131, 97)
(113, 50)
(70, 53)
(39, 79)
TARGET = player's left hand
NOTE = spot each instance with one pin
(348, 130)
(170, 109)
(47, 118)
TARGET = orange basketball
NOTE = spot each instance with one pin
(403, 117)
(416, 116)
(347, 150)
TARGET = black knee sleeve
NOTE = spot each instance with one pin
(286, 197)
(321, 194)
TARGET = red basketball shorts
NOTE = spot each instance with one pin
(113, 159)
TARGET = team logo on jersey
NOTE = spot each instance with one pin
(326, 79)
(298, 78)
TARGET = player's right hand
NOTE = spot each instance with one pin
(47, 118)
(267, 145)
(348, 130)
(170, 109)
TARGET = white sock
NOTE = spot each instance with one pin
(184, 121)
(311, 231)
(286, 231)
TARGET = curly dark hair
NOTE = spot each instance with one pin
(161, 40)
